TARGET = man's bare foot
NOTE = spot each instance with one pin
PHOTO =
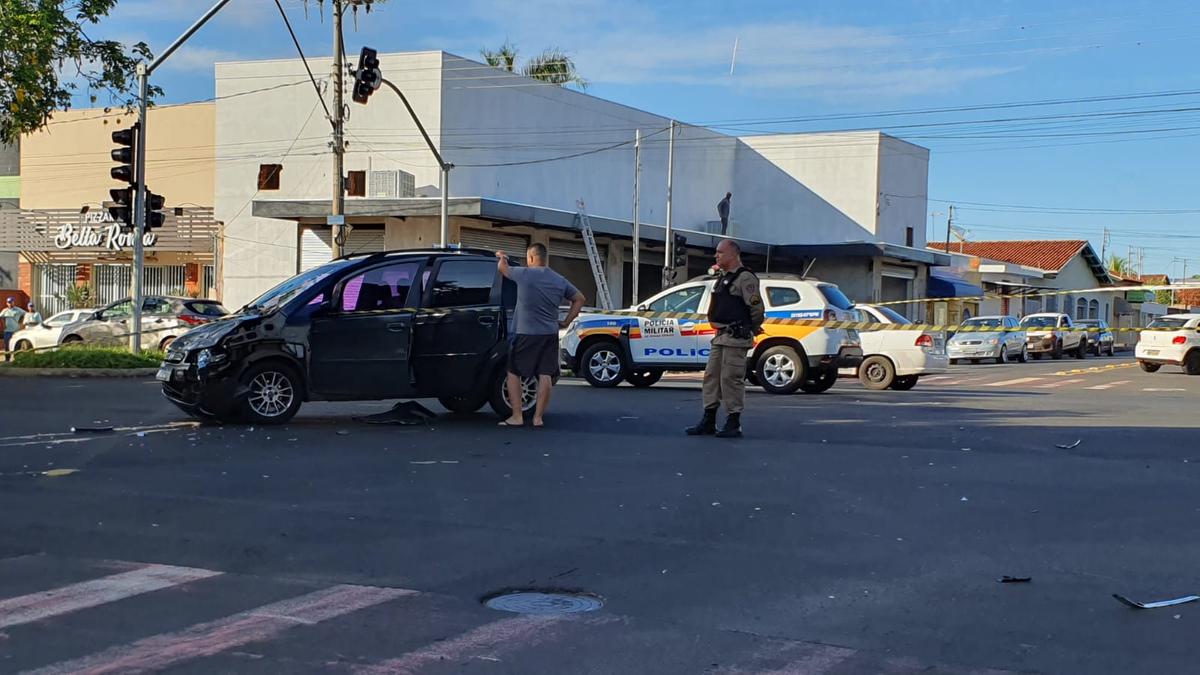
(539, 422)
(511, 422)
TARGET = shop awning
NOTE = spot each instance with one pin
(943, 284)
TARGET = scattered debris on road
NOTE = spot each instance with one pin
(1155, 605)
(1014, 580)
(404, 412)
(92, 430)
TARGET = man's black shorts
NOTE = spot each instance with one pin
(534, 355)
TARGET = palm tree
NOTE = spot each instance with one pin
(1118, 265)
(505, 57)
(553, 65)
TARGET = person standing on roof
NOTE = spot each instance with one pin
(534, 353)
(723, 212)
(736, 311)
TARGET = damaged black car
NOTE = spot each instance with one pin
(379, 326)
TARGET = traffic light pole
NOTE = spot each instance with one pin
(139, 206)
(442, 164)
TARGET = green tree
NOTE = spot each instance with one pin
(46, 53)
(1118, 265)
(553, 65)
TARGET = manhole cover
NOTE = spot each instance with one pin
(545, 602)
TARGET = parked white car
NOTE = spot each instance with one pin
(1050, 333)
(896, 358)
(969, 342)
(606, 348)
(46, 334)
(1179, 346)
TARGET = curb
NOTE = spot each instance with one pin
(127, 373)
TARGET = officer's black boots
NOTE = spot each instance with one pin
(707, 425)
(732, 428)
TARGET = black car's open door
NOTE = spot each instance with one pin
(362, 343)
(458, 327)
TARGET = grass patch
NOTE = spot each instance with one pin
(88, 357)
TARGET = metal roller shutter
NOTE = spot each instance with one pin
(491, 240)
(316, 244)
(563, 248)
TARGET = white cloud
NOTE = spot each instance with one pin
(199, 59)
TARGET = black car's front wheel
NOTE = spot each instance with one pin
(498, 398)
(272, 394)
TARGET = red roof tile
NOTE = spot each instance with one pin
(1050, 256)
(1155, 279)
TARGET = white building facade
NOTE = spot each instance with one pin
(524, 154)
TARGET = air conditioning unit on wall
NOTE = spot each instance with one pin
(391, 184)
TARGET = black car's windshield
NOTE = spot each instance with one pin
(293, 287)
(1040, 321)
(982, 323)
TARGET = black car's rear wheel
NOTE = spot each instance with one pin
(273, 393)
(463, 403)
(498, 396)
(643, 378)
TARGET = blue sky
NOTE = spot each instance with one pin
(1125, 168)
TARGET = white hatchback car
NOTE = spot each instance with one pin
(896, 358)
(46, 334)
(1176, 342)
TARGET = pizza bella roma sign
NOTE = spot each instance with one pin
(98, 230)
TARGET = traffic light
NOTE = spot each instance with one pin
(125, 155)
(154, 207)
(679, 255)
(121, 206)
(368, 76)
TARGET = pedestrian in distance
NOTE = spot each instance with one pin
(736, 311)
(723, 212)
(32, 316)
(12, 316)
(534, 352)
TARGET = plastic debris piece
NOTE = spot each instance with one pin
(1014, 580)
(1071, 446)
(55, 473)
(91, 430)
(1155, 605)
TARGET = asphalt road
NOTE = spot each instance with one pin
(849, 532)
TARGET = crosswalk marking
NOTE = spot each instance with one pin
(483, 641)
(1060, 383)
(1108, 385)
(1019, 380)
(67, 599)
(206, 639)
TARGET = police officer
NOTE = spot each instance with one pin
(736, 311)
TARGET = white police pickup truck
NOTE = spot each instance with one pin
(607, 348)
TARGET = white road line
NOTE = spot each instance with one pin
(1019, 380)
(1060, 383)
(1157, 389)
(67, 599)
(1108, 385)
(206, 639)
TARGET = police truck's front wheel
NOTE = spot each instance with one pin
(602, 365)
(781, 370)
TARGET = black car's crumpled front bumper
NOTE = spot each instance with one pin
(209, 392)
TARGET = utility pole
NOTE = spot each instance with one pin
(637, 199)
(949, 224)
(668, 255)
(139, 206)
(1104, 248)
(339, 144)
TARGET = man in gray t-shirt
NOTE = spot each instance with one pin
(534, 352)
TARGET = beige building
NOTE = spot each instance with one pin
(62, 233)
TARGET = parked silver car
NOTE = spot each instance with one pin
(972, 343)
(163, 319)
